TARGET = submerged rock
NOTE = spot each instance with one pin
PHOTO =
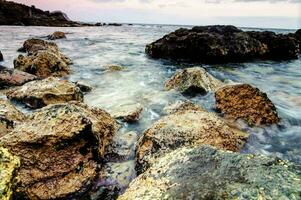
(37, 94)
(128, 113)
(56, 35)
(221, 44)
(60, 147)
(186, 128)
(204, 172)
(193, 81)
(180, 106)
(44, 59)
(9, 117)
(9, 166)
(245, 102)
(113, 68)
(13, 77)
(1, 56)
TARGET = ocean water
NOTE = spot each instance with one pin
(142, 81)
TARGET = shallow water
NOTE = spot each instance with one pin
(91, 48)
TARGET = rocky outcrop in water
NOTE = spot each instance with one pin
(12, 13)
(60, 147)
(1, 56)
(180, 106)
(128, 113)
(298, 37)
(56, 35)
(9, 117)
(192, 81)
(12, 77)
(186, 128)
(9, 166)
(204, 173)
(44, 59)
(40, 93)
(221, 44)
(242, 101)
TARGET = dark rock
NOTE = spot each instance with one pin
(114, 24)
(83, 87)
(220, 44)
(60, 147)
(298, 37)
(56, 35)
(204, 172)
(12, 13)
(1, 57)
(242, 101)
(14, 77)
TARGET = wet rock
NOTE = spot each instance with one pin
(114, 24)
(204, 172)
(186, 128)
(83, 87)
(1, 56)
(242, 101)
(12, 77)
(122, 147)
(44, 59)
(298, 37)
(9, 166)
(60, 148)
(221, 44)
(114, 178)
(56, 35)
(128, 113)
(114, 68)
(192, 81)
(9, 117)
(179, 106)
(37, 94)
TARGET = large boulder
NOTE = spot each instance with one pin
(242, 101)
(9, 117)
(13, 77)
(44, 59)
(193, 81)
(186, 128)
(37, 94)
(56, 35)
(204, 173)
(9, 166)
(220, 44)
(60, 147)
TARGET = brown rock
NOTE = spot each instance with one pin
(128, 113)
(180, 106)
(37, 94)
(60, 147)
(11, 77)
(193, 81)
(245, 102)
(186, 128)
(56, 35)
(9, 117)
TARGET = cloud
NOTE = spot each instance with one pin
(258, 1)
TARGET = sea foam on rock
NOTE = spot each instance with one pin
(203, 172)
(37, 94)
(186, 128)
(56, 35)
(193, 81)
(60, 147)
(221, 44)
(44, 59)
(242, 101)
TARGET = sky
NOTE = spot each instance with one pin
(242, 13)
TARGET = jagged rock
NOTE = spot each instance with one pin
(298, 37)
(83, 87)
(13, 77)
(9, 117)
(56, 35)
(44, 59)
(193, 81)
(1, 56)
(12, 13)
(186, 128)
(221, 44)
(179, 106)
(113, 68)
(60, 147)
(113, 179)
(242, 101)
(204, 172)
(128, 113)
(9, 166)
(37, 94)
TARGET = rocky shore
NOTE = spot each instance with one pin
(64, 149)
